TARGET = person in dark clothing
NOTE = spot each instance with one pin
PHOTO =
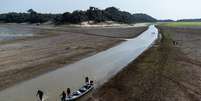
(86, 80)
(63, 96)
(40, 94)
(91, 82)
(68, 91)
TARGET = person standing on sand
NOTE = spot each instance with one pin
(40, 95)
(68, 91)
(86, 80)
(63, 96)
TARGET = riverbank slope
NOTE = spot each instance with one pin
(169, 71)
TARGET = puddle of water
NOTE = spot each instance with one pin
(99, 67)
(13, 33)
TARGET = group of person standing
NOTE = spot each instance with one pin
(63, 95)
(40, 95)
(68, 91)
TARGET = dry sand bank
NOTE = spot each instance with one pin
(169, 71)
(27, 58)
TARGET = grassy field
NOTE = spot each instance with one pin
(182, 24)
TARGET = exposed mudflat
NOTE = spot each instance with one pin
(54, 47)
(169, 71)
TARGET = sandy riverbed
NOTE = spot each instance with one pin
(54, 47)
(168, 71)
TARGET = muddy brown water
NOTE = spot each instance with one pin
(99, 68)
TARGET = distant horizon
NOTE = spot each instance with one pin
(159, 9)
(86, 9)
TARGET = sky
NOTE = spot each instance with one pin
(160, 9)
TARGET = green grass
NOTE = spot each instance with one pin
(182, 24)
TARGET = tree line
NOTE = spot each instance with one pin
(189, 20)
(78, 16)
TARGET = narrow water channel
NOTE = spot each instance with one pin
(99, 67)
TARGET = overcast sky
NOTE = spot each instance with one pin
(160, 9)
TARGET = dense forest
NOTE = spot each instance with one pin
(166, 20)
(78, 16)
(189, 20)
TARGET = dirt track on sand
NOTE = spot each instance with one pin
(169, 71)
(27, 58)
